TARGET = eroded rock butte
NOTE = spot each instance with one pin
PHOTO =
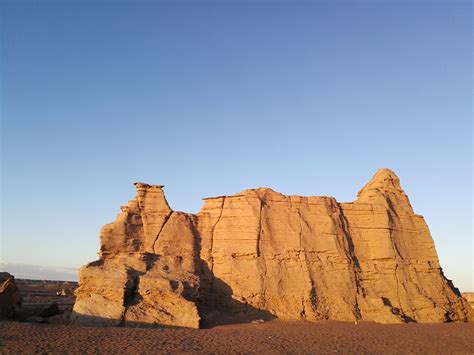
(261, 254)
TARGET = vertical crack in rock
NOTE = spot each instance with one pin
(259, 236)
(313, 295)
(313, 298)
(392, 215)
(263, 259)
(211, 247)
(212, 234)
(301, 227)
(392, 225)
(161, 229)
(397, 282)
(355, 261)
(264, 282)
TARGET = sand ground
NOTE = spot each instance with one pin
(275, 337)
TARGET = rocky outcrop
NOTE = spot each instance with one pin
(9, 295)
(263, 254)
(149, 267)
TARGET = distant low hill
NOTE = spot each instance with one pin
(39, 272)
(469, 296)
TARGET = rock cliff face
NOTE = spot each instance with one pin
(263, 254)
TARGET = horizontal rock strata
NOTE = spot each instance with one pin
(263, 254)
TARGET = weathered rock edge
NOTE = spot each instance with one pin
(263, 254)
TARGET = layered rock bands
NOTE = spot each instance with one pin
(263, 254)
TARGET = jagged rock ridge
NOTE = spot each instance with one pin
(263, 254)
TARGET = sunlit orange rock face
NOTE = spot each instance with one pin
(261, 254)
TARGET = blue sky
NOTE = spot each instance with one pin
(212, 97)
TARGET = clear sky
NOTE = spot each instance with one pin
(210, 98)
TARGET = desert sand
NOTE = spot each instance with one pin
(275, 337)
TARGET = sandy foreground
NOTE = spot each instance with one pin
(275, 337)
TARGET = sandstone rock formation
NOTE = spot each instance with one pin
(269, 255)
(9, 295)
